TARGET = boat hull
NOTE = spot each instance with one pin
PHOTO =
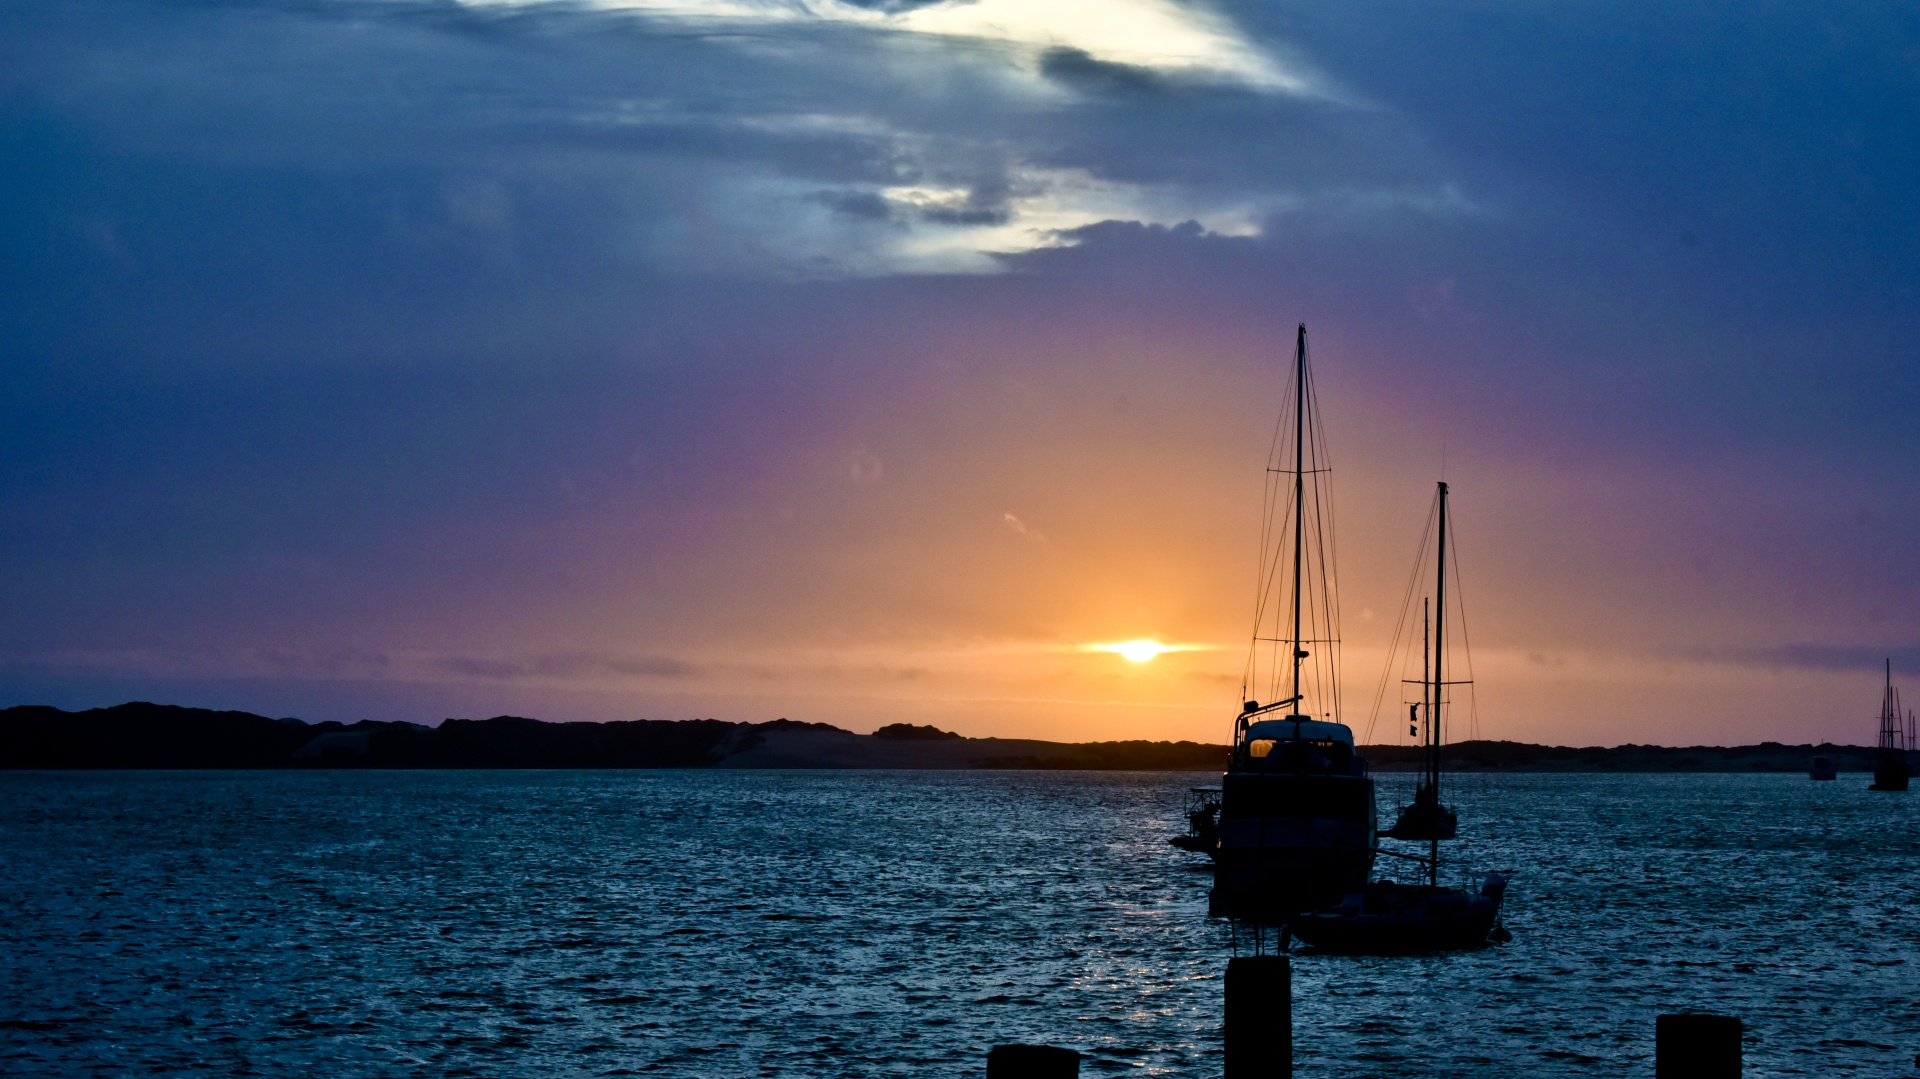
(1890, 772)
(1290, 843)
(1399, 919)
(1271, 883)
(1198, 844)
(1365, 935)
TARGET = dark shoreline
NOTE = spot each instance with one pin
(141, 735)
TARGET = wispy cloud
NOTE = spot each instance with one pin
(1814, 657)
(811, 138)
(347, 664)
(565, 666)
(863, 467)
(1154, 35)
(353, 664)
(1019, 528)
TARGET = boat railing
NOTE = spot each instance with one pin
(1200, 798)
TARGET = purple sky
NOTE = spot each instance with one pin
(863, 363)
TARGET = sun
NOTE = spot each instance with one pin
(1141, 649)
(1138, 651)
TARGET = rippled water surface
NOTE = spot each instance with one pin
(862, 923)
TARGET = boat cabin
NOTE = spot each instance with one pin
(1297, 744)
(1296, 818)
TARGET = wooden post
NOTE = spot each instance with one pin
(1032, 1062)
(1696, 1047)
(1259, 1032)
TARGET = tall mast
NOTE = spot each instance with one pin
(1299, 491)
(1439, 680)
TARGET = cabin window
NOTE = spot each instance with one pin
(1260, 747)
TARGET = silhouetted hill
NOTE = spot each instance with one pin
(1525, 757)
(907, 732)
(141, 735)
(1111, 756)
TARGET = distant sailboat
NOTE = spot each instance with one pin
(1388, 918)
(1891, 769)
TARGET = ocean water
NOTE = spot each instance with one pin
(901, 923)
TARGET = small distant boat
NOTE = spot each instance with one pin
(1387, 918)
(1891, 770)
(1202, 811)
(1822, 769)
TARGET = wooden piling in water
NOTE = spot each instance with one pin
(1259, 1020)
(1032, 1062)
(1695, 1046)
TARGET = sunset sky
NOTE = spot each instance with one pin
(863, 362)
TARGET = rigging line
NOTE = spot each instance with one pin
(1280, 510)
(1401, 620)
(1416, 590)
(1259, 579)
(1330, 589)
(1272, 598)
(1269, 565)
(1326, 613)
(1272, 590)
(1466, 643)
(1282, 591)
(1326, 677)
(1263, 585)
(1263, 577)
(1330, 620)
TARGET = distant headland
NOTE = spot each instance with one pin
(142, 735)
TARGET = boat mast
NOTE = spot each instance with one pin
(1299, 491)
(1439, 680)
(1889, 715)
